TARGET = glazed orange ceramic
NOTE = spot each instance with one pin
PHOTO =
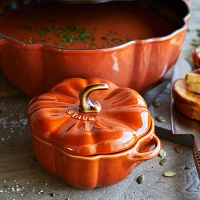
(111, 40)
(88, 130)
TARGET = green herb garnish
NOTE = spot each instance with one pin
(72, 27)
(84, 36)
(127, 39)
(72, 39)
(116, 40)
(93, 44)
(59, 46)
(26, 25)
(104, 38)
(42, 33)
(80, 30)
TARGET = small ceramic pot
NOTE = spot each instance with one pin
(88, 130)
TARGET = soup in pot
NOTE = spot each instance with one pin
(78, 26)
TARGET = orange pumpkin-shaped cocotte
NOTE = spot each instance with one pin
(91, 132)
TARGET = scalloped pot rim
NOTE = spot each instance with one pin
(136, 42)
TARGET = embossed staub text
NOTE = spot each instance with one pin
(79, 116)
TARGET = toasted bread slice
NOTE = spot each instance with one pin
(188, 103)
(193, 81)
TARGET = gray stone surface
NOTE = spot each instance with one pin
(22, 177)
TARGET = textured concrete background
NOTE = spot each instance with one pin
(22, 177)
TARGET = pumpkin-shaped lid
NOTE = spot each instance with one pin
(89, 116)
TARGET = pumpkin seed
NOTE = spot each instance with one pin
(195, 43)
(179, 149)
(163, 162)
(162, 153)
(169, 173)
(140, 179)
(198, 32)
(160, 119)
(156, 104)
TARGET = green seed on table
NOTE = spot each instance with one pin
(169, 173)
(163, 162)
(156, 104)
(162, 153)
(179, 149)
(140, 179)
(160, 119)
(195, 42)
